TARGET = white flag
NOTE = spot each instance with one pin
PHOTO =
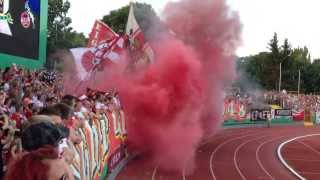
(141, 52)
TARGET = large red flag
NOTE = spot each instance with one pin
(105, 48)
(106, 53)
(101, 33)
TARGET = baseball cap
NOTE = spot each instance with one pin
(40, 134)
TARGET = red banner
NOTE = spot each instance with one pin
(235, 110)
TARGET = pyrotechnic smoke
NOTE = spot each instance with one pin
(213, 31)
(178, 100)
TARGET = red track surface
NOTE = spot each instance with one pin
(244, 153)
(303, 155)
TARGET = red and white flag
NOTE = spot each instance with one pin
(140, 51)
(105, 48)
(101, 33)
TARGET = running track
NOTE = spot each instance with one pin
(239, 153)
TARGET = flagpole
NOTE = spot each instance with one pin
(299, 81)
(280, 77)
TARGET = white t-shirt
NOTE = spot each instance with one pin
(6, 87)
(83, 110)
(79, 115)
(100, 106)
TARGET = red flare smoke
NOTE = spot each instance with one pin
(178, 100)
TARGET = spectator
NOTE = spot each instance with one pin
(69, 100)
(54, 112)
(43, 163)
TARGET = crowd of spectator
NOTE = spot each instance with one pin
(294, 101)
(39, 123)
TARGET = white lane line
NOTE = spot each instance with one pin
(309, 147)
(154, 173)
(258, 157)
(236, 152)
(299, 159)
(184, 174)
(313, 173)
(279, 150)
(220, 136)
(219, 147)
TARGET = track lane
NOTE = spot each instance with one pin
(260, 152)
(302, 155)
(221, 158)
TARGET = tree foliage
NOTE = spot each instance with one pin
(60, 34)
(264, 68)
(144, 13)
(274, 47)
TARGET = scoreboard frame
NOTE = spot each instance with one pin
(7, 60)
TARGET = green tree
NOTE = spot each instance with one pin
(311, 78)
(302, 55)
(58, 23)
(263, 68)
(285, 50)
(60, 34)
(274, 47)
(144, 13)
(259, 69)
(117, 19)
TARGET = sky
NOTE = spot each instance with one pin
(297, 20)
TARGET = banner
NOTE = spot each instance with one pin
(235, 110)
(103, 146)
(298, 115)
(260, 115)
(283, 112)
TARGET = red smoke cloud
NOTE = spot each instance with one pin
(178, 100)
(164, 105)
(213, 31)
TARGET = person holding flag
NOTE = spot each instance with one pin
(140, 51)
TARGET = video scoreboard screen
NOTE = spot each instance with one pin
(20, 28)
